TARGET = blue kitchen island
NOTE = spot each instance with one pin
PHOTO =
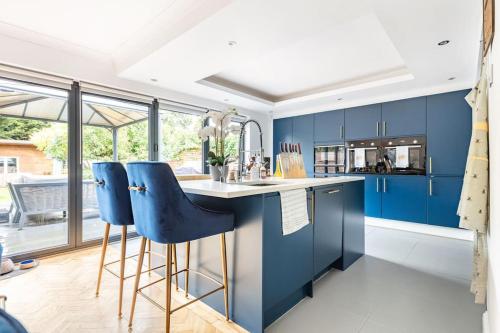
(269, 273)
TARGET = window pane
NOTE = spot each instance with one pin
(34, 165)
(180, 145)
(105, 120)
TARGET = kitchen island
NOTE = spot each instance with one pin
(268, 272)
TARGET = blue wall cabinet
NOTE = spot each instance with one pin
(328, 219)
(404, 117)
(443, 199)
(449, 126)
(282, 132)
(373, 196)
(303, 127)
(404, 198)
(329, 127)
(363, 122)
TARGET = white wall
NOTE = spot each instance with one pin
(494, 234)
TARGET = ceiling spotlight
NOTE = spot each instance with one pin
(443, 42)
(226, 100)
(154, 80)
(231, 43)
(451, 78)
(340, 99)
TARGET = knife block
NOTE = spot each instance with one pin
(290, 165)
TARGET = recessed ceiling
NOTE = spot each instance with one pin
(288, 56)
(337, 55)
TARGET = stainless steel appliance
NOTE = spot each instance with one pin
(329, 160)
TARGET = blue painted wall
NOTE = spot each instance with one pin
(445, 119)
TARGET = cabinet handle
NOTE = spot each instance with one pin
(378, 186)
(384, 128)
(333, 191)
(430, 187)
(385, 185)
(340, 131)
(313, 197)
(430, 164)
(378, 128)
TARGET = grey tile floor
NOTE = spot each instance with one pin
(406, 282)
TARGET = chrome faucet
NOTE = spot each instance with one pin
(241, 150)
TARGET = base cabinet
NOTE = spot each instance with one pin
(404, 198)
(328, 218)
(443, 199)
(373, 196)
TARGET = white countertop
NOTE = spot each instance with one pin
(228, 190)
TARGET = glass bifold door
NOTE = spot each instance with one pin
(49, 138)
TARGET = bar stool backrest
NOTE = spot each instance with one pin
(112, 193)
(163, 212)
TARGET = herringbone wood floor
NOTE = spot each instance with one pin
(59, 296)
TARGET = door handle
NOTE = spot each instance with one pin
(333, 191)
(430, 165)
(378, 128)
(430, 187)
(378, 186)
(385, 185)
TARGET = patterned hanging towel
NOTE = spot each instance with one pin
(474, 200)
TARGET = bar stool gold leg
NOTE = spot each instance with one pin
(168, 279)
(140, 260)
(149, 257)
(224, 272)
(174, 253)
(103, 256)
(186, 281)
(122, 268)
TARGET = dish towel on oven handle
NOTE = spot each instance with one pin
(293, 210)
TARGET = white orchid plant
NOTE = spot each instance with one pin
(218, 129)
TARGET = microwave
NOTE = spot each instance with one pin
(329, 160)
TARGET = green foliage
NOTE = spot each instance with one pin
(215, 160)
(20, 129)
(179, 133)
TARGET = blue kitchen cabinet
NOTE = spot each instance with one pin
(303, 133)
(328, 220)
(449, 127)
(373, 196)
(443, 199)
(404, 198)
(404, 117)
(363, 122)
(282, 132)
(329, 127)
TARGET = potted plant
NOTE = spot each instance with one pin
(217, 130)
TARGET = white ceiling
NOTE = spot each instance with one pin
(291, 56)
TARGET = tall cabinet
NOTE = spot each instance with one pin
(446, 121)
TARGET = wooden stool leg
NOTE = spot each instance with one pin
(174, 253)
(103, 256)
(224, 272)
(140, 260)
(149, 256)
(168, 279)
(122, 268)
(186, 281)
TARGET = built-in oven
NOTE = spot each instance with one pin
(329, 160)
(404, 155)
(399, 155)
(363, 156)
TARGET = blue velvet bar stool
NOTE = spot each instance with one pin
(115, 208)
(164, 214)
